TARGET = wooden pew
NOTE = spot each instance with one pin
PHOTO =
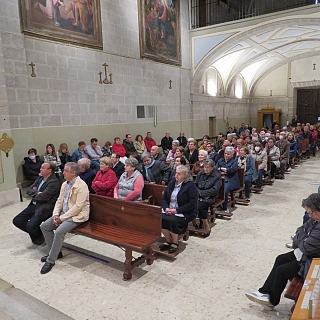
(268, 180)
(294, 290)
(131, 225)
(219, 202)
(239, 199)
(155, 192)
(25, 183)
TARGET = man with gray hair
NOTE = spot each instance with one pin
(166, 143)
(71, 209)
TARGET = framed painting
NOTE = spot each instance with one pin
(160, 36)
(76, 22)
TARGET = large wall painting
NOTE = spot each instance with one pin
(159, 22)
(70, 21)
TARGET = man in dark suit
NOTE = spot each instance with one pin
(117, 165)
(44, 192)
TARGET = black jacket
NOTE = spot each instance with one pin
(46, 197)
(208, 185)
(193, 158)
(32, 169)
(118, 169)
(187, 199)
(129, 147)
(166, 143)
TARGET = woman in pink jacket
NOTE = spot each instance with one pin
(105, 180)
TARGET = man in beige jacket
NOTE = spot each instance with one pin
(71, 209)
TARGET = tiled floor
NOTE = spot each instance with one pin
(207, 280)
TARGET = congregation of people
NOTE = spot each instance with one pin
(192, 172)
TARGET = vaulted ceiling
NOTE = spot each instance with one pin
(254, 51)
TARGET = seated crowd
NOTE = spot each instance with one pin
(192, 173)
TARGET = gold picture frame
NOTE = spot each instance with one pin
(159, 26)
(77, 22)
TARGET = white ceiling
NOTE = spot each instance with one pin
(255, 50)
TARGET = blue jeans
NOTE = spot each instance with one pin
(227, 189)
(259, 180)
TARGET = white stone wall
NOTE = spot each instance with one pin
(66, 91)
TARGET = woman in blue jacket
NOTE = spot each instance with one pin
(228, 168)
(246, 162)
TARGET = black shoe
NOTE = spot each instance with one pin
(164, 246)
(39, 241)
(46, 268)
(173, 248)
(207, 234)
(44, 259)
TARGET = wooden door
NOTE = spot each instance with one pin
(308, 105)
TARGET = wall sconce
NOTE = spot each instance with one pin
(170, 82)
(270, 93)
(106, 80)
(32, 65)
(314, 66)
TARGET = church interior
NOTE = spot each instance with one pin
(77, 73)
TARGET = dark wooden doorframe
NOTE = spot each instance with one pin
(308, 105)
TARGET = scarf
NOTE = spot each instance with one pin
(149, 174)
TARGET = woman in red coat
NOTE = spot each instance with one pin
(105, 180)
(118, 148)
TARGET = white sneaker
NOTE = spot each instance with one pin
(261, 298)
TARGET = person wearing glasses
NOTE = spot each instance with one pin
(44, 193)
(306, 245)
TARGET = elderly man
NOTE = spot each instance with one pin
(71, 209)
(94, 153)
(149, 141)
(155, 154)
(306, 245)
(166, 143)
(44, 192)
(117, 165)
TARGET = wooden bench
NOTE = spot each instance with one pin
(294, 288)
(219, 202)
(25, 183)
(131, 225)
(154, 192)
(268, 181)
(238, 199)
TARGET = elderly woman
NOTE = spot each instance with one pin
(260, 155)
(228, 168)
(179, 207)
(306, 244)
(208, 183)
(246, 162)
(105, 180)
(172, 152)
(130, 184)
(154, 171)
(86, 173)
(118, 148)
(198, 166)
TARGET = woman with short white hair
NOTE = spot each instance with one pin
(198, 166)
(172, 152)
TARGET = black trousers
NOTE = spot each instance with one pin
(273, 170)
(27, 222)
(203, 205)
(285, 268)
